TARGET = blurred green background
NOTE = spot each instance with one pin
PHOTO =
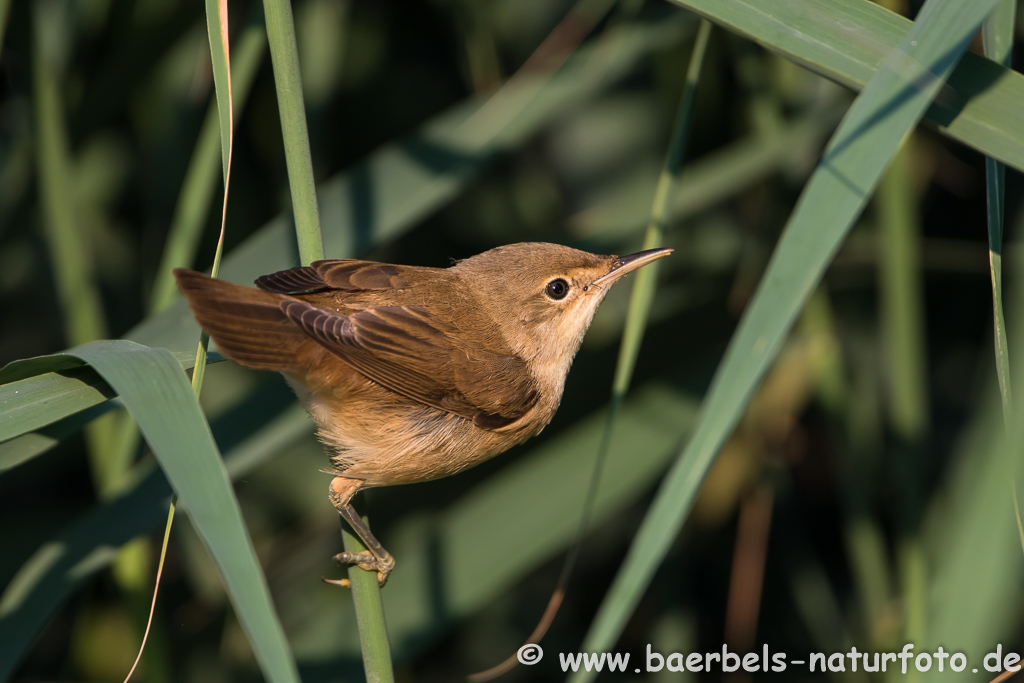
(797, 534)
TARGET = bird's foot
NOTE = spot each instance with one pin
(368, 561)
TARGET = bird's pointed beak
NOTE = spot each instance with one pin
(627, 264)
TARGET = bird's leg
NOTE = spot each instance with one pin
(375, 557)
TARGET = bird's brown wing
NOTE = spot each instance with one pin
(349, 275)
(403, 349)
(292, 281)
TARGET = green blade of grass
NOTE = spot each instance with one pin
(220, 57)
(32, 403)
(35, 392)
(158, 396)
(28, 445)
(888, 108)
(30, 367)
(285, 55)
(997, 37)
(220, 53)
(847, 40)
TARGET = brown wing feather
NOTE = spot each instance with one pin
(402, 349)
(348, 275)
(292, 281)
(352, 275)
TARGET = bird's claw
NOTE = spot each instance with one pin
(366, 560)
(344, 583)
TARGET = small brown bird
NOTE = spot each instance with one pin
(414, 373)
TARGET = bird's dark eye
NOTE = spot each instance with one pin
(557, 289)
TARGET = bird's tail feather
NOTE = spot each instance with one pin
(246, 323)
